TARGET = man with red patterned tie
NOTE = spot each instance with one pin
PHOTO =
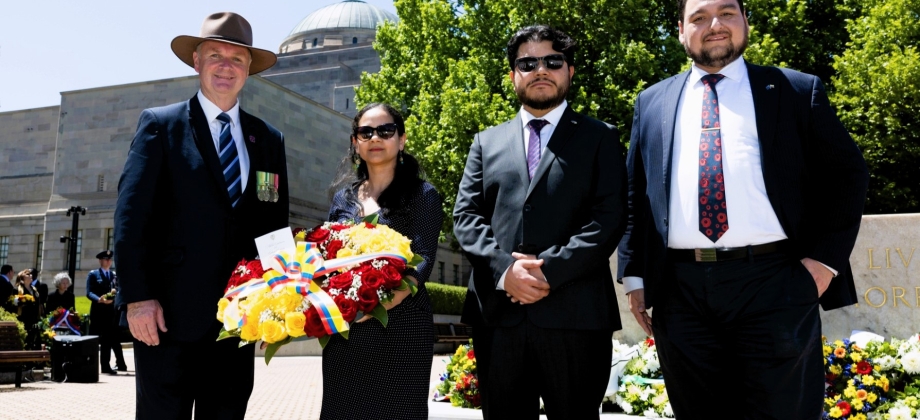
(745, 194)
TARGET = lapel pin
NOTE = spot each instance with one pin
(769, 87)
(252, 139)
(574, 122)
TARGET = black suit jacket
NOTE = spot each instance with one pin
(6, 290)
(815, 176)
(177, 237)
(571, 215)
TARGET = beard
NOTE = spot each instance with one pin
(545, 102)
(718, 57)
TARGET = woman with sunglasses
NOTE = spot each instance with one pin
(378, 176)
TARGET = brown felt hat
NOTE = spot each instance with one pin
(226, 27)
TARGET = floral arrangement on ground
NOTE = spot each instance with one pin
(459, 382)
(338, 273)
(61, 321)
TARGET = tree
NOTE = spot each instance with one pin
(878, 99)
(804, 35)
(445, 65)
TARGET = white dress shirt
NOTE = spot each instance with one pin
(546, 133)
(211, 112)
(751, 219)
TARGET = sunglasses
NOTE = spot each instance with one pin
(384, 131)
(529, 64)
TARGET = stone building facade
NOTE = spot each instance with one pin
(73, 154)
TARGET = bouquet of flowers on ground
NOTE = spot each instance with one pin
(337, 272)
(61, 321)
(459, 382)
(899, 362)
(854, 383)
(642, 389)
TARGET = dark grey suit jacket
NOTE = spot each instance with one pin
(177, 237)
(815, 176)
(571, 215)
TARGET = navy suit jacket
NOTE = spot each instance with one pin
(815, 176)
(177, 237)
(571, 215)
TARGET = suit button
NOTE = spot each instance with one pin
(520, 247)
(527, 207)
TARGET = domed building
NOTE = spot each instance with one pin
(325, 54)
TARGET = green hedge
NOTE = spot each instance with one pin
(6, 316)
(446, 299)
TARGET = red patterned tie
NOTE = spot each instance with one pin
(713, 215)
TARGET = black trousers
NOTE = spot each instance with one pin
(741, 339)
(518, 365)
(214, 376)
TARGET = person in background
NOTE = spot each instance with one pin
(30, 313)
(61, 297)
(42, 287)
(103, 318)
(6, 286)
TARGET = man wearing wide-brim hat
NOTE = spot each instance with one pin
(187, 211)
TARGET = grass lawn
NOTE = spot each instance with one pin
(82, 303)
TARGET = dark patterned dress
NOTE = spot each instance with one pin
(382, 373)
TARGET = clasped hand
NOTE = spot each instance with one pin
(524, 280)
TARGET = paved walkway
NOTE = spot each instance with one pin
(289, 388)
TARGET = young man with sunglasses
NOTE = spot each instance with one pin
(540, 210)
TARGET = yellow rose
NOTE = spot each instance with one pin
(286, 301)
(221, 305)
(345, 252)
(294, 322)
(273, 331)
(231, 315)
(250, 330)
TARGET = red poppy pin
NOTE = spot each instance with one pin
(252, 139)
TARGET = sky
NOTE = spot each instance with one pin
(53, 46)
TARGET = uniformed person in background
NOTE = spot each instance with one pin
(101, 285)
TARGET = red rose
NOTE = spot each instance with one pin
(863, 368)
(369, 225)
(255, 269)
(470, 355)
(339, 227)
(475, 400)
(373, 279)
(649, 342)
(317, 234)
(332, 249)
(341, 281)
(313, 326)
(367, 299)
(396, 264)
(348, 307)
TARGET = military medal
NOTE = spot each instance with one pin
(267, 186)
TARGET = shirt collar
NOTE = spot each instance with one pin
(551, 117)
(736, 70)
(211, 111)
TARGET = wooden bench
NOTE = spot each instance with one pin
(456, 334)
(12, 356)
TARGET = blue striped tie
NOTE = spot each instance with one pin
(229, 160)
